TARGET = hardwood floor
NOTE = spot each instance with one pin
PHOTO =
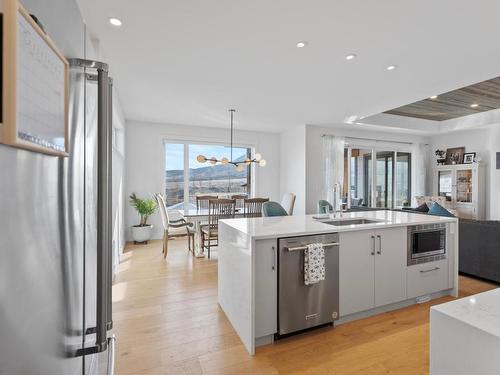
(167, 321)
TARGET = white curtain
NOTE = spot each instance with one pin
(333, 166)
(420, 155)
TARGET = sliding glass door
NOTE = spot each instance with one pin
(402, 195)
(384, 179)
(378, 178)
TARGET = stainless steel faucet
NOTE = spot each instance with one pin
(336, 188)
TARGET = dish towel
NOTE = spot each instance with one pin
(314, 263)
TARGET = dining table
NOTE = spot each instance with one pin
(199, 217)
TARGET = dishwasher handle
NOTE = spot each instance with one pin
(299, 248)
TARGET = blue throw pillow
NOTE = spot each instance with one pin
(438, 210)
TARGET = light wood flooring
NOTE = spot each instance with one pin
(167, 321)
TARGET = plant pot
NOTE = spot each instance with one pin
(142, 234)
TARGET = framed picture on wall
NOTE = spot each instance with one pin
(469, 157)
(455, 155)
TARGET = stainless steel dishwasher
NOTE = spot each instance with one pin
(303, 306)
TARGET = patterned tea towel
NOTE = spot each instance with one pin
(314, 263)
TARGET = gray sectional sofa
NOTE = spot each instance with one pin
(479, 249)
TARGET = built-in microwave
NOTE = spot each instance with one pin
(426, 243)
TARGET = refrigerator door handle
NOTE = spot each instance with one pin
(111, 355)
(104, 193)
(103, 214)
(109, 252)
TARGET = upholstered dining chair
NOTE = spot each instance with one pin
(217, 209)
(324, 207)
(253, 206)
(272, 208)
(288, 202)
(168, 224)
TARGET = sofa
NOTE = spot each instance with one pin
(479, 249)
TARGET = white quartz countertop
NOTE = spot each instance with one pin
(296, 225)
(481, 311)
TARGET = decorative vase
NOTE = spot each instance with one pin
(142, 234)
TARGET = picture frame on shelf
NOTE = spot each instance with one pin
(469, 157)
(455, 155)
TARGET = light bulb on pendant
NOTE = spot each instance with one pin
(201, 159)
(239, 168)
(224, 161)
(262, 162)
(213, 160)
(248, 161)
(257, 157)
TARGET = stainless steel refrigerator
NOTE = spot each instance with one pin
(55, 227)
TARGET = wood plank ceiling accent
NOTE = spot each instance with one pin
(456, 103)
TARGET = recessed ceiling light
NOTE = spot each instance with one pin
(115, 21)
(351, 56)
(391, 67)
(433, 97)
(474, 105)
(301, 44)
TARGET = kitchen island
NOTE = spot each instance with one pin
(374, 270)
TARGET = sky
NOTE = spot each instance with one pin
(174, 154)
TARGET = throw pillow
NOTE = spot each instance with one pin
(422, 208)
(438, 210)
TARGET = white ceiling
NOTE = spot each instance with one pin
(188, 61)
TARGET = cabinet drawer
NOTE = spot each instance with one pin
(427, 278)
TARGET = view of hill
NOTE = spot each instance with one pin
(216, 172)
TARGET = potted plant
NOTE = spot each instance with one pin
(142, 232)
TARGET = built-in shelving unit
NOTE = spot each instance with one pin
(463, 187)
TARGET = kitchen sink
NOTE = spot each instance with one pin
(339, 222)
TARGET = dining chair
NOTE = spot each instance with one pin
(168, 224)
(288, 202)
(239, 198)
(202, 201)
(272, 208)
(253, 206)
(324, 207)
(217, 209)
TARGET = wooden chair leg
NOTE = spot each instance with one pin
(209, 244)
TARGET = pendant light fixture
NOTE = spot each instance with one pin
(257, 159)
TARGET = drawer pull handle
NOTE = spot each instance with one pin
(432, 269)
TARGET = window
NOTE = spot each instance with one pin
(186, 178)
(376, 178)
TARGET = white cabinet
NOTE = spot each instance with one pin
(266, 287)
(427, 278)
(356, 271)
(390, 265)
(372, 269)
(463, 187)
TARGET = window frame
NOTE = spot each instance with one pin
(186, 143)
(373, 159)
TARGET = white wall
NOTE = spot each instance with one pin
(145, 162)
(314, 153)
(118, 180)
(485, 142)
(293, 166)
